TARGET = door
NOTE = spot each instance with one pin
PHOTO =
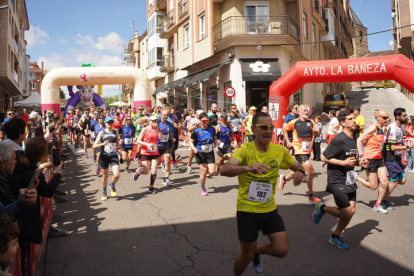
(257, 16)
(257, 93)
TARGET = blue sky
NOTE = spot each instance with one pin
(69, 33)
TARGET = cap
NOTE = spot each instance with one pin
(199, 111)
(252, 108)
(224, 116)
(34, 115)
(101, 116)
(153, 118)
(107, 119)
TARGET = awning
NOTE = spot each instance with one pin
(263, 69)
(176, 84)
(204, 75)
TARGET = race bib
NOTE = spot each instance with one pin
(260, 192)
(306, 145)
(33, 134)
(207, 148)
(85, 132)
(140, 126)
(128, 141)
(110, 148)
(221, 145)
(165, 137)
(351, 177)
(236, 128)
(153, 148)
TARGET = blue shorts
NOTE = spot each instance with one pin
(397, 177)
(395, 170)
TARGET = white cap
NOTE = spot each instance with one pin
(34, 115)
(153, 118)
(199, 111)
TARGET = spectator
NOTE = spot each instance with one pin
(15, 131)
(374, 120)
(264, 109)
(9, 115)
(360, 122)
(242, 113)
(24, 116)
(8, 242)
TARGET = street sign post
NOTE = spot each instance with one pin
(229, 92)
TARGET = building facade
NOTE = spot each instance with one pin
(36, 76)
(13, 59)
(402, 12)
(197, 48)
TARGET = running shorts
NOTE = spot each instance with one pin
(342, 199)
(205, 158)
(149, 157)
(164, 150)
(106, 160)
(375, 164)
(302, 158)
(395, 170)
(224, 150)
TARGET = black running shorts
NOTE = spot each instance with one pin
(342, 200)
(106, 160)
(205, 158)
(375, 164)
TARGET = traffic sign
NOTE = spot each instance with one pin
(229, 92)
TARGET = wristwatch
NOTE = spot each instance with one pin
(407, 147)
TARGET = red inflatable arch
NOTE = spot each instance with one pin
(393, 67)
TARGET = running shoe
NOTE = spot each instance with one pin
(104, 197)
(189, 169)
(218, 171)
(163, 166)
(208, 175)
(113, 189)
(338, 242)
(317, 214)
(204, 192)
(138, 173)
(136, 159)
(387, 205)
(256, 265)
(380, 210)
(86, 155)
(175, 165)
(411, 171)
(98, 171)
(153, 191)
(127, 170)
(314, 199)
(166, 182)
(282, 182)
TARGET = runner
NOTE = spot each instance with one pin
(127, 132)
(202, 141)
(76, 131)
(165, 145)
(247, 123)
(108, 142)
(394, 147)
(341, 157)
(70, 126)
(304, 131)
(257, 166)
(139, 119)
(176, 120)
(84, 126)
(225, 138)
(374, 143)
(288, 135)
(149, 152)
(95, 130)
(235, 122)
(193, 124)
(333, 126)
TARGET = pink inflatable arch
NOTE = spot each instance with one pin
(393, 67)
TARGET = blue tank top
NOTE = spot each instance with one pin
(127, 135)
(110, 148)
(165, 129)
(224, 134)
(98, 128)
(205, 139)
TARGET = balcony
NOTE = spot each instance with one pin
(249, 30)
(167, 64)
(182, 8)
(162, 4)
(316, 5)
(168, 26)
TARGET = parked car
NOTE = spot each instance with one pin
(384, 84)
(335, 101)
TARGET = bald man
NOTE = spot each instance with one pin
(375, 139)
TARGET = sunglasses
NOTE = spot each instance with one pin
(205, 121)
(140, 109)
(10, 113)
(385, 118)
(110, 122)
(96, 114)
(265, 127)
(127, 119)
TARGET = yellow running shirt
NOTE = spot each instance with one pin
(256, 191)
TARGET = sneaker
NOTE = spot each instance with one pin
(189, 169)
(175, 165)
(113, 190)
(127, 170)
(256, 265)
(137, 173)
(208, 175)
(153, 191)
(387, 205)
(317, 214)
(98, 171)
(204, 192)
(314, 199)
(338, 242)
(282, 182)
(166, 182)
(380, 210)
(104, 197)
(163, 166)
(411, 171)
(86, 155)
(136, 160)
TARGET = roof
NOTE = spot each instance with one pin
(380, 53)
(354, 18)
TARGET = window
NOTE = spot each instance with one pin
(186, 36)
(150, 4)
(257, 16)
(32, 76)
(202, 26)
(160, 54)
(211, 95)
(313, 34)
(34, 86)
(159, 24)
(151, 26)
(151, 58)
(304, 25)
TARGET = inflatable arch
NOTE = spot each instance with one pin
(392, 67)
(93, 76)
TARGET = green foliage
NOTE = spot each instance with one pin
(110, 99)
(62, 94)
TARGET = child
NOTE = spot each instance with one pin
(9, 234)
(317, 141)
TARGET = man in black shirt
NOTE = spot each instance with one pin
(341, 157)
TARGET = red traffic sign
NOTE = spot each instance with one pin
(309, 109)
(229, 92)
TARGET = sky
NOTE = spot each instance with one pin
(69, 33)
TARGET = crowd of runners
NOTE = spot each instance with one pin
(144, 140)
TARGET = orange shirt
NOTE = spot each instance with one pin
(302, 132)
(374, 145)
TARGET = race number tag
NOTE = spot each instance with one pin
(140, 126)
(153, 148)
(207, 148)
(260, 192)
(33, 135)
(221, 145)
(236, 128)
(165, 137)
(85, 132)
(110, 148)
(351, 177)
(306, 145)
(128, 141)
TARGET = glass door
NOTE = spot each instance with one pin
(257, 16)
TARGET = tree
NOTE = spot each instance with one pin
(110, 99)
(62, 94)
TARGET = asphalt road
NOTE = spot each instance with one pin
(180, 232)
